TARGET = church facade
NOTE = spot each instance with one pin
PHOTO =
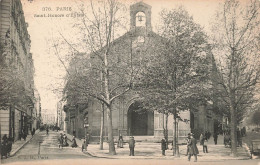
(128, 119)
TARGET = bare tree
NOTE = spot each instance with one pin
(105, 70)
(236, 47)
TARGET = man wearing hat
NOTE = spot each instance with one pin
(163, 146)
(193, 150)
(132, 146)
(187, 141)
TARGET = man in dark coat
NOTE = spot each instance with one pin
(9, 145)
(33, 131)
(215, 136)
(163, 146)
(187, 141)
(4, 146)
(132, 146)
(193, 150)
(24, 134)
(60, 140)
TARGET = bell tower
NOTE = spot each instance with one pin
(140, 16)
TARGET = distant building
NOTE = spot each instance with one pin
(48, 117)
(17, 112)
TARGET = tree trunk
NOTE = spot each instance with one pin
(175, 139)
(166, 130)
(233, 130)
(101, 129)
(112, 150)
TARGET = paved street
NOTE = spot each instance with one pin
(49, 149)
(51, 153)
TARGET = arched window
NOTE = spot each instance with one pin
(140, 19)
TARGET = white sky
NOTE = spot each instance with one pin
(48, 69)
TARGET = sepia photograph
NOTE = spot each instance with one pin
(135, 82)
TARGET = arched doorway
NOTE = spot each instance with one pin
(140, 121)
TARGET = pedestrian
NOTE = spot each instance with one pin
(65, 140)
(9, 146)
(24, 135)
(120, 141)
(47, 130)
(215, 136)
(60, 140)
(85, 143)
(193, 150)
(201, 139)
(205, 146)
(132, 146)
(4, 147)
(187, 142)
(163, 146)
(207, 135)
(33, 131)
(74, 143)
(239, 138)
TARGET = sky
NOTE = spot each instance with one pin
(49, 72)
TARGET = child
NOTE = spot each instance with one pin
(205, 146)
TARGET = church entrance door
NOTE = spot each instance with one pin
(140, 121)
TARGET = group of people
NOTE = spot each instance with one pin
(120, 144)
(227, 137)
(63, 140)
(6, 146)
(23, 134)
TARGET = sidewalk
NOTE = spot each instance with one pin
(17, 145)
(146, 150)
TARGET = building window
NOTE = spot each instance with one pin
(140, 19)
(140, 39)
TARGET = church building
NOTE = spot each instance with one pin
(128, 119)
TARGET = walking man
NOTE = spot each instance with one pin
(205, 146)
(132, 146)
(193, 150)
(187, 140)
(33, 131)
(163, 146)
(215, 136)
(61, 140)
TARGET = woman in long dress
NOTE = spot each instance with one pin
(74, 143)
(120, 141)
